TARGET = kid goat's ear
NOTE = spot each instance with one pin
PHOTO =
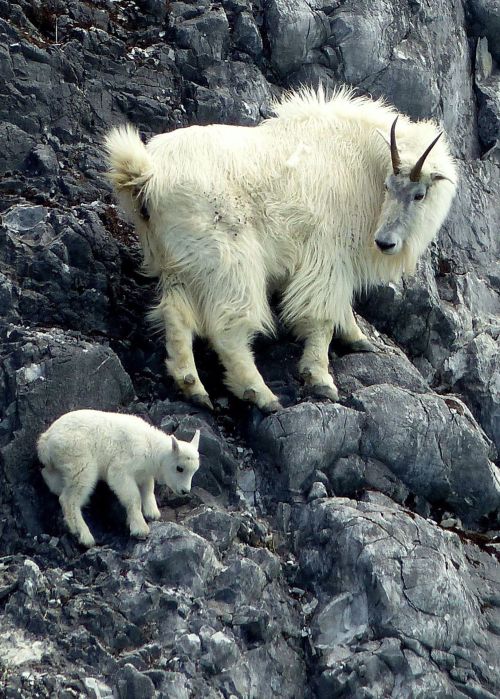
(175, 446)
(196, 439)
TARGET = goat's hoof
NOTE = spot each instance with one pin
(140, 532)
(152, 516)
(323, 391)
(202, 400)
(271, 407)
(189, 380)
(87, 541)
(361, 346)
(250, 395)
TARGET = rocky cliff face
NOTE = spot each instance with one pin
(343, 550)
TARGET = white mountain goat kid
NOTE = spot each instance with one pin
(85, 446)
(311, 203)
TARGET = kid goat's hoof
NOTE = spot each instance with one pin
(202, 400)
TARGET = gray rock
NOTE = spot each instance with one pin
(433, 446)
(131, 684)
(354, 474)
(221, 652)
(43, 160)
(487, 90)
(217, 526)
(242, 580)
(247, 37)
(485, 15)
(318, 490)
(424, 443)
(358, 370)
(207, 36)
(475, 370)
(189, 644)
(306, 437)
(16, 147)
(174, 556)
(390, 571)
(294, 29)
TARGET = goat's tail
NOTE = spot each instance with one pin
(129, 161)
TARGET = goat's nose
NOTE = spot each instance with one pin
(184, 491)
(385, 246)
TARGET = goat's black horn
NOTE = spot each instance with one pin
(417, 168)
(396, 160)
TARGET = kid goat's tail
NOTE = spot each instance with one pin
(52, 477)
(129, 161)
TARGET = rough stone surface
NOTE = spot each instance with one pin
(344, 550)
(396, 597)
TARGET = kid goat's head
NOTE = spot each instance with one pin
(183, 463)
(406, 198)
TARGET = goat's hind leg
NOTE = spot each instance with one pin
(73, 497)
(313, 365)
(178, 317)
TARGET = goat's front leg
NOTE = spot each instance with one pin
(127, 492)
(242, 376)
(353, 337)
(149, 507)
(313, 365)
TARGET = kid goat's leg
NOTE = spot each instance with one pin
(149, 507)
(178, 318)
(313, 365)
(127, 492)
(73, 496)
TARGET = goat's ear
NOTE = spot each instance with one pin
(175, 446)
(436, 176)
(196, 439)
(381, 133)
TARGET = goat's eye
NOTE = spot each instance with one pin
(180, 469)
(419, 197)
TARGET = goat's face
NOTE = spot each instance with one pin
(405, 199)
(179, 469)
(402, 206)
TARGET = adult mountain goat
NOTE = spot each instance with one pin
(325, 199)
